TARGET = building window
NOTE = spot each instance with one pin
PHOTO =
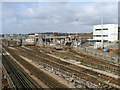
(97, 29)
(105, 29)
(105, 35)
(100, 35)
(101, 29)
(97, 35)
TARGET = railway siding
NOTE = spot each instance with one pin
(104, 63)
(56, 77)
(35, 54)
(86, 82)
(86, 61)
(55, 64)
(96, 70)
(42, 76)
(29, 73)
(24, 79)
(93, 69)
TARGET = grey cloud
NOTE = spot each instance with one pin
(63, 17)
(12, 20)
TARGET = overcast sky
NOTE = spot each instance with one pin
(55, 17)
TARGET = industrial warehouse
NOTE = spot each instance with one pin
(62, 60)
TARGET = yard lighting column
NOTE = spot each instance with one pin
(76, 37)
(102, 24)
(76, 40)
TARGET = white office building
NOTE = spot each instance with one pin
(109, 32)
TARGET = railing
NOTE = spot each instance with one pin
(10, 82)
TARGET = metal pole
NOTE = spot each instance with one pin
(54, 39)
(76, 40)
(102, 24)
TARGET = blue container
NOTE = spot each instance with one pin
(106, 50)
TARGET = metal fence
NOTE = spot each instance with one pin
(106, 56)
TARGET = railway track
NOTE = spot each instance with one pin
(65, 68)
(90, 62)
(113, 80)
(54, 64)
(23, 78)
(52, 83)
(68, 63)
(104, 63)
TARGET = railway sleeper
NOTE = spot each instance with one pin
(101, 67)
(67, 75)
(93, 78)
(60, 74)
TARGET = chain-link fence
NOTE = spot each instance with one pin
(106, 56)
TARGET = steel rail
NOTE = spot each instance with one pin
(60, 65)
(19, 74)
(46, 79)
(101, 80)
(13, 85)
